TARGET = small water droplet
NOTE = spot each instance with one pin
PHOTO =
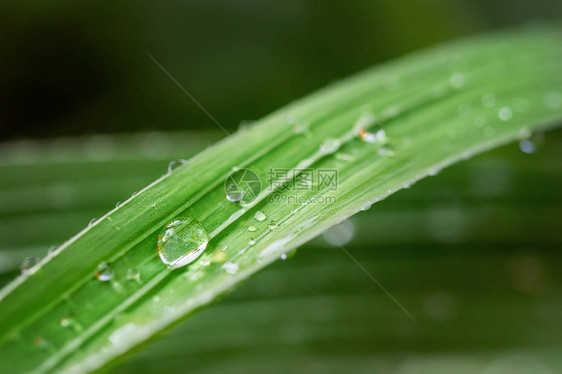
(252, 241)
(329, 146)
(489, 100)
(118, 204)
(133, 275)
(340, 234)
(153, 204)
(40, 342)
(283, 256)
(252, 228)
(457, 80)
(386, 150)
(300, 127)
(553, 100)
(344, 156)
(505, 113)
(463, 110)
(92, 222)
(64, 322)
(527, 146)
(156, 299)
(224, 247)
(230, 267)
(246, 124)
(182, 242)
(234, 193)
(69, 322)
(260, 216)
(365, 206)
(28, 263)
(105, 272)
(272, 225)
(174, 164)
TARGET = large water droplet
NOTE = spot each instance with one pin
(105, 272)
(340, 234)
(182, 242)
(234, 193)
(252, 228)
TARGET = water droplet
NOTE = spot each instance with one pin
(252, 241)
(531, 142)
(224, 247)
(174, 164)
(340, 234)
(40, 342)
(64, 322)
(233, 193)
(489, 100)
(272, 225)
(344, 156)
(105, 272)
(463, 110)
(364, 122)
(329, 146)
(300, 127)
(505, 113)
(252, 228)
(182, 242)
(156, 299)
(230, 267)
(69, 322)
(527, 146)
(553, 100)
(133, 275)
(365, 206)
(283, 256)
(92, 222)
(246, 124)
(456, 80)
(28, 263)
(260, 216)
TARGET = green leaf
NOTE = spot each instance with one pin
(433, 108)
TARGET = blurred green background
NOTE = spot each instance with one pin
(71, 68)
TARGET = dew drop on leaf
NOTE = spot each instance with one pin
(133, 275)
(260, 216)
(505, 113)
(272, 225)
(105, 272)
(28, 263)
(234, 193)
(488, 100)
(252, 228)
(283, 256)
(456, 80)
(182, 242)
(329, 146)
(252, 241)
(230, 268)
(174, 164)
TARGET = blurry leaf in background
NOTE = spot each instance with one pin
(81, 68)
